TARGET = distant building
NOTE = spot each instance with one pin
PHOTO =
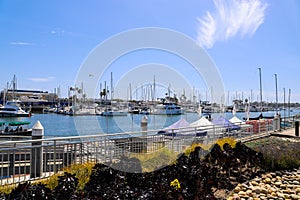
(35, 99)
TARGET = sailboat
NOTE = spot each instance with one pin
(261, 104)
(110, 110)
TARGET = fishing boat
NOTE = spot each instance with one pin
(15, 128)
(13, 109)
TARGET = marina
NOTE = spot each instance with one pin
(78, 130)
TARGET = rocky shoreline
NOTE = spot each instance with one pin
(274, 185)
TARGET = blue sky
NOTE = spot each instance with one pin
(44, 43)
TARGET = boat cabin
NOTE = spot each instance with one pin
(15, 128)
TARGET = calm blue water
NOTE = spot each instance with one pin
(61, 125)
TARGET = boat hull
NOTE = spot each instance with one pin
(18, 133)
(14, 115)
(110, 114)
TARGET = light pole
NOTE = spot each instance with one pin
(260, 86)
(276, 93)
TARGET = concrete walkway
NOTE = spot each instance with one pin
(287, 132)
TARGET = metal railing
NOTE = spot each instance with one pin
(24, 160)
(289, 122)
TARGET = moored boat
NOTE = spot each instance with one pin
(112, 112)
(13, 109)
(168, 109)
(15, 128)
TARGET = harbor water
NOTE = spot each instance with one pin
(57, 125)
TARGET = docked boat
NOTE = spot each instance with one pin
(111, 112)
(13, 109)
(19, 128)
(168, 109)
(134, 110)
(261, 116)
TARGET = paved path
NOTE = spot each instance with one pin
(289, 132)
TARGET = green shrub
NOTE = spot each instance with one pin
(155, 160)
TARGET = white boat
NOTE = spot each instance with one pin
(79, 111)
(112, 112)
(168, 109)
(13, 109)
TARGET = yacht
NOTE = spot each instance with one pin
(13, 109)
(167, 109)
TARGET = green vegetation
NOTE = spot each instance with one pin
(158, 159)
(6, 189)
(81, 171)
(279, 153)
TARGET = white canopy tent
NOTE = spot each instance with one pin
(201, 122)
(236, 120)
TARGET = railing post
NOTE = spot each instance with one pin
(297, 128)
(276, 123)
(144, 124)
(36, 160)
(54, 157)
(142, 142)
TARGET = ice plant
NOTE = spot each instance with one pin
(175, 184)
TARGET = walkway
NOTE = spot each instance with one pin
(287, 132)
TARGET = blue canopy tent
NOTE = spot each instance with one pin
(221, 121)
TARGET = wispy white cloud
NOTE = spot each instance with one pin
(230, 18)
(60, 32)
(22, 43)
(41, 79)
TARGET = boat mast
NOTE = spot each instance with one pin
(14, 86)
(105, 93)
(130, 92)
(111, 86)
(68, 96)
(101, 92)
(5, 93)
(289, 103)
(284, 103)
(276, 94)
(260, 85)
(153, 88)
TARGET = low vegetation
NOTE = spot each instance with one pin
(279, 153)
